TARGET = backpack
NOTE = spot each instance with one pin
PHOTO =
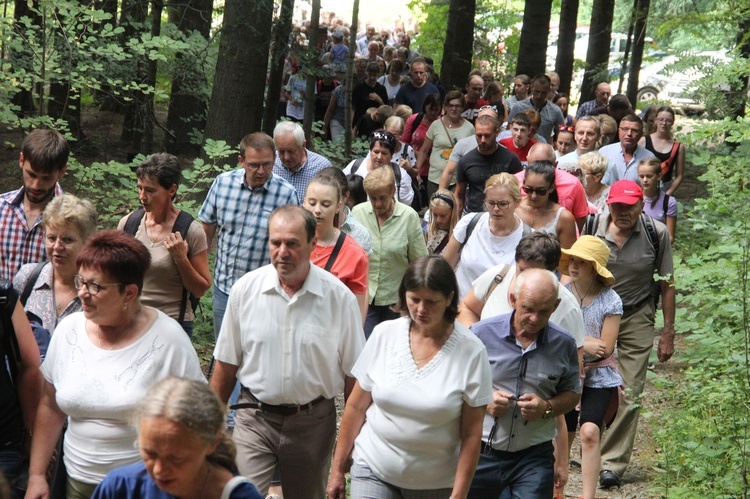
(181, 225)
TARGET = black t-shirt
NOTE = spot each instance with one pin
(366, 125)
(361, 101)
(414, 97)
(475, 168)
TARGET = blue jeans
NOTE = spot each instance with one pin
(525, 474)
(220, 299)
(377, 314)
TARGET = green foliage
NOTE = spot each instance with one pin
(705, 443)
(336, 152)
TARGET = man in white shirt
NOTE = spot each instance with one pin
(291, 335)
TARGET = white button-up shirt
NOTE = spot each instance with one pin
(291, 350)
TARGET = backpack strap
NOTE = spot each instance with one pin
(653, 237)
(29, 287)
(335, 252)
(591, 224)
(397, 174)
(133, 221)
(470, 229)
(665, 205)
(357, 163)
(497, 280)
(182, 225)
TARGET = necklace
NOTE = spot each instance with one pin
(324, 245)
(587, 291)
(539, 215)
(419, 360)
(62, 302)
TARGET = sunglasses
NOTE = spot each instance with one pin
(566, 128)
(534, 190)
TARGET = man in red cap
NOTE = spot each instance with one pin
(639, 246)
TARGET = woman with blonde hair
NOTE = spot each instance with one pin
(594, 166)
(482, 240)
(184, 449)
(609, 130)
(439, 223)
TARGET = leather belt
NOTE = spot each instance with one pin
(629, 309)
(281, 410)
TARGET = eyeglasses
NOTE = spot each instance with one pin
(454, 106)
(535, 190)
(92, 287)
(665, 121)
(503, 205)
(64, 240)
(258, 166)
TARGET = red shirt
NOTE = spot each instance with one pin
(351, 265)
(521, 153)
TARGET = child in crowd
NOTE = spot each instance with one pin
(440, 220)
(657, 203)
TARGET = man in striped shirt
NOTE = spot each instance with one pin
(43, 161)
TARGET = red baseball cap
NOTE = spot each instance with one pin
(625, 192)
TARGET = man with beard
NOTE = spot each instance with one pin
(476, 166)
(625, 154)
(43, 161)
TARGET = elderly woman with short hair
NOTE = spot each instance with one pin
(99, 365)
(396, 240)
(68, 222)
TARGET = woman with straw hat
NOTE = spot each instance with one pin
(591, 284)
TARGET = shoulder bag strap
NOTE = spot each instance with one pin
(442, 244)
(29, 287)
(335, 252)
(497, 280)
(450, 138)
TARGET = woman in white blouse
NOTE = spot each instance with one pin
(414, 418)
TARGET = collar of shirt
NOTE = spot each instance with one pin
(509, 335)
(244, 184)
(312, 284)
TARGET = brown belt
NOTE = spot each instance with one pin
(629, 309)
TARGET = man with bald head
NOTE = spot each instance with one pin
(601, 98)
(570, 192)
(474, 101)
(535, 372)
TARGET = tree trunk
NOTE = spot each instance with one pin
(459, 44)
(279, 51)
(311, 71)
(104, 98)
(24, 59)
(532, 54)
(236, 106)
(132, 19)
(350, 81)
(628, 46)
(187, 106)
(741, 84)
(566, 44)
(639, 39)
(597, 56)
(149, 117)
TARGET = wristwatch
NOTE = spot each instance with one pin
(548, 413)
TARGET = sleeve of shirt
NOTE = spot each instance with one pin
(292, 197)
(417, 246)
(664, 264)
(459, 231)
(405, 192)
(484, 281)
(479, 384)
(400, 95)
(352, 339)
(513, 111)
(613, 303)
(359, 281)
(672, 207)
(570, 381)
(196, 236)
(432, 130)
(382, 92)
(406, 137)
(516, 166)
(361, 369)
(580, 203)
(348, 168)
(207, 213)
(460, 171)
(22, 276)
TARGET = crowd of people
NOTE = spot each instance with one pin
(480, 286)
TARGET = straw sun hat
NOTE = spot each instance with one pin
(592, 249)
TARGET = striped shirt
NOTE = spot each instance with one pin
(241, 216)
(19, 243)
(299, 179)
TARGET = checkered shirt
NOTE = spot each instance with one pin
(585, 108)
(19, 243)
(241, 216)
(299, 179)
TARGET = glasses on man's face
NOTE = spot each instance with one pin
(627, 131)
(535, 190)
(66, 241)
(92, 287)
(501, 205)
(257, 166)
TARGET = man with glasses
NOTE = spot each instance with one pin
(479, 164)
(414, 93)
(639, 247)
(236, 209)
(626, 154)
(536, 376)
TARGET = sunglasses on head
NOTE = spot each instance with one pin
(566, 128)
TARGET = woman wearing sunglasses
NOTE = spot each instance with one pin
(539, 209)
(99, 365)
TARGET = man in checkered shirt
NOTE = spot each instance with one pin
(43, 161)
(236, 210)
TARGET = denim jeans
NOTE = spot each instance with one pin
(220, 299)
(525, 474)
(377, 314)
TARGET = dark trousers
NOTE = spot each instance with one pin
(525, 474)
